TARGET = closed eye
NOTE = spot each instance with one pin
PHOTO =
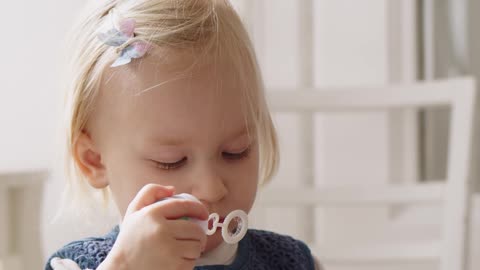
(170, 166)
(236, 156)
(226, 155)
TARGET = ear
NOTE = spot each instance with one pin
(89, 160)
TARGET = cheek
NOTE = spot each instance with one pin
(126, 178)
(254, 177)
(244, 183)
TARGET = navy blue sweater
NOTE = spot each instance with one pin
(259, 250)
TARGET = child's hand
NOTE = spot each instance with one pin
(152, 236)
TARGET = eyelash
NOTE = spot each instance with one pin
(229, 156)
(170, 166)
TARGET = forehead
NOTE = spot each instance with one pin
(176, 94)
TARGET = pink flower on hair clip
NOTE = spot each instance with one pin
(119, 32)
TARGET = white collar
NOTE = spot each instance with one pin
(224, 254)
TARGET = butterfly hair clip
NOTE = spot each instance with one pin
(117, 31)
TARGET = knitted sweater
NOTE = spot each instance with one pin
(259, 250)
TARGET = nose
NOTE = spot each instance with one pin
(209, 187)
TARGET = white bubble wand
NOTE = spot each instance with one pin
(231, 234)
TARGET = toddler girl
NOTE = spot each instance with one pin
(166, 98)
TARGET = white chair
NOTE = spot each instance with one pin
(454, 193)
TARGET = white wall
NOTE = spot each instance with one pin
(31, 40)
(31, 43)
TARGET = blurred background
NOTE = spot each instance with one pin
(305, 44)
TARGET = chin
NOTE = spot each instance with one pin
(213, 241)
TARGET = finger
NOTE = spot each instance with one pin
(188, 230)
(149, 194)
(178, 208)
(189, 250)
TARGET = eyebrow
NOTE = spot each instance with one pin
(167, 141)
(244, 130)
(175, 141)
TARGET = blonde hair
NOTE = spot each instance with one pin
(171, 24)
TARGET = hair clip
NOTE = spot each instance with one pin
(234, 226)
(118, 32)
